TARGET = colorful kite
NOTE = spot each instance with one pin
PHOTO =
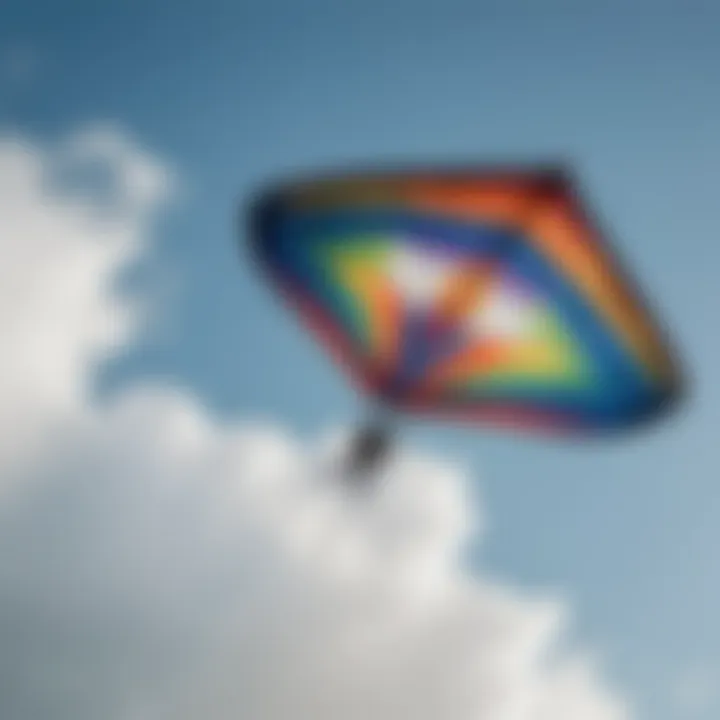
(487, 295)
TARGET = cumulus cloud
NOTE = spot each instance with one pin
(62, 247)
(158, 563)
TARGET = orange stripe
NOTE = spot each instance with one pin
(568, 242)
(466, 289)
(383, 310)
(470, 198)
(475, 359)
(490, 201)
(529, 357)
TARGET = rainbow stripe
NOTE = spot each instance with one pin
(477, 294)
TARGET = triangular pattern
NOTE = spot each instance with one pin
(491, 348)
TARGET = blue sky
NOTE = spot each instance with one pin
(236, 93)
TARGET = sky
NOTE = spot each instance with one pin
(211, 99)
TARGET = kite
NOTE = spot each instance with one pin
(487, 295)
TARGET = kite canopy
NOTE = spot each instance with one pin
(487, 295)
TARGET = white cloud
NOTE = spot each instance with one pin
(61, 252)
(162, 564)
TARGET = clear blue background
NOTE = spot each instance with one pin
(234, 93)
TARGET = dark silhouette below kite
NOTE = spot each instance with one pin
(486, 295)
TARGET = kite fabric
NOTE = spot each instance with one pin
(487, 295)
